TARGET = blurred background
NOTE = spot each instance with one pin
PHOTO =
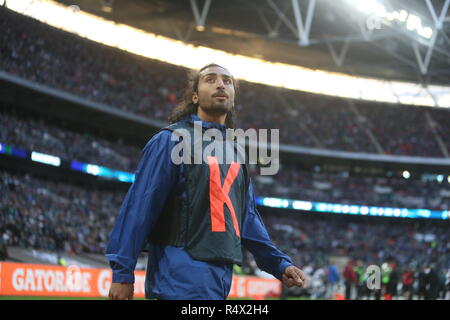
(360, 91)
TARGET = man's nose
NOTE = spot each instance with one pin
(220, 83)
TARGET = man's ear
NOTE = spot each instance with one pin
(194, 97)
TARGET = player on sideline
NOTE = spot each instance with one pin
(195, 218)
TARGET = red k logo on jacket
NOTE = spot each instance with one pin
(218, 195)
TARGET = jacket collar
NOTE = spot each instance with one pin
(207, 124)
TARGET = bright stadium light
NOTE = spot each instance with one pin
(93, 169)
(354, 209)
(272, 202)
(375, 8)
(45, 158)
(413, 22)
(448, 179)
(364, 210)
(337, 208)
(302, 205)
(242, 67)
(406, 174)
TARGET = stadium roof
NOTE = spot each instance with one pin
(372, 38)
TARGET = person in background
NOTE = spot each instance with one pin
(441, 284)
(422, 279)
(3, 250)
(332, 280)
(391, 286)
(407, 283)
(350, 279)
(447, 285)
(360, 279)
(431, 283)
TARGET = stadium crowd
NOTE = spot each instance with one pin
(397, 248)
(365, 190)
(290, 182)
(40, 53)
(52, 215)
(41, 213)
(35, 134)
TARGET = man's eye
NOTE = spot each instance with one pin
(210, 80)
(227, 81)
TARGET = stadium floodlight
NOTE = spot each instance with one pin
(406, 174)
(448, 179)
(377, 9)
(414, 23)
(371, 7)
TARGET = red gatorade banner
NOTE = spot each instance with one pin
(21, 279)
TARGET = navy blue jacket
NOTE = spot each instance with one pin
(171, 272)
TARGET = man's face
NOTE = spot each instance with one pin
(215, 91)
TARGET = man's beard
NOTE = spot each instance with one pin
(217, 108)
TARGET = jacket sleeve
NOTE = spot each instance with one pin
(256, 239)
(155, 177)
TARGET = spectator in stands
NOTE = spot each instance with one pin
(408, 283)
(350, 279)
(3, 250)
(431, 283)
(391, 286)
(422, 283)
(332, 280)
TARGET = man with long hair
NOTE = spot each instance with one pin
(194, 224)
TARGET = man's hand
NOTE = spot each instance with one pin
(294, 276)
(121, 291)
